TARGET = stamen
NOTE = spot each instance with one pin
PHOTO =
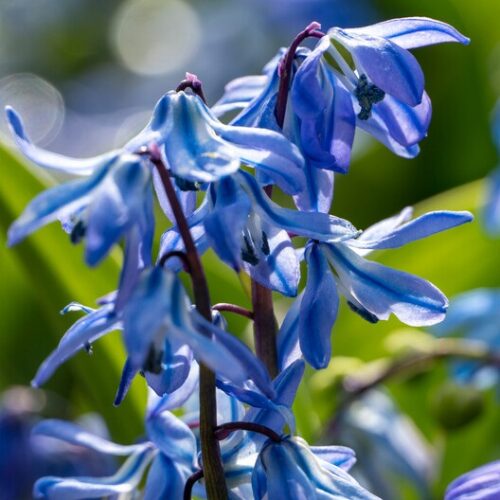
(367, 94)
(248, 253)
(185, 185)
(367, 315)
(265, 244)
(78, 232)
(153, 362)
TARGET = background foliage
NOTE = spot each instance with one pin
(44, 273)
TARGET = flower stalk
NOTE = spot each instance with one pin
(210, 451)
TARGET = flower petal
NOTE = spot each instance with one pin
(382, 290)
(318, 310)
(340, 456)
(491, 211)
(390, 67)
(413, 32)
(312, 225)
(126, 479)
(77, 435)
(85, 330)
(288, 336)
(419, 228)
(54, 161)
(166, 479)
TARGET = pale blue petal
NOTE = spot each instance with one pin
(85, 330)
(115, 206)
(65, 199)
(74, 434)
(288, 336)
(482, 483)
(318, 310)
(318, 193)
(278, 267)
(340, 456)
(126, 480)
(172, 437)
(238, 93)
(382, 290)
(421, 227)
(312, 225)
(413, 32)
(225, 222)
(54, 161)
(166, 479)
(390, 67)
(407, 125)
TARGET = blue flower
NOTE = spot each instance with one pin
(289, 469)
(482, 483)
(474, 315)
(163, 334)
(393, 448)
(249, 231)
(372, 290)
(115, 197)
(385, 88)
(491, 211)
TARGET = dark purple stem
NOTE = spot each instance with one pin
(285, 69)
(212, 462)
(224, 430)
(233, 308)
(178, 254)
(188, 488)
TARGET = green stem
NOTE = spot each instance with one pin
(213, 470)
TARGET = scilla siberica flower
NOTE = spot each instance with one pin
(249, 231)
(383, 93)
(482, 483)
(372, 290)
(475, 316)
(115, 197)
(163, 334)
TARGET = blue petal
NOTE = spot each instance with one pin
(482, 483)
(284, 477)
(187, 199)
(288, 336)
(116, 206)
(390, 67)
(192, 150)
(312, 225)
(175, 367)
(54, 161)
(318, 193)
(177, 398)
(413, 32)
(74, 434)
(85, 330)
(64, 199)
(421, 227)
(318, 310)
(407, 125)
(166, 479)
(278, 267)
(126, 480)
(172, 437)
(128, 374)
(382, 290)
(238, 93)
(491, 211)
(285, 385)
(340, 456)
(224, 224)
(245, 365)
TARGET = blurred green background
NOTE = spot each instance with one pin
(84, 75)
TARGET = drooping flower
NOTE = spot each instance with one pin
(384, 87)
(482, 483)
(249, 231)
(372, 290)
(163, 334)
(115, 197)
(475, 316)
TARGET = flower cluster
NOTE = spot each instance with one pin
(294, 129)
